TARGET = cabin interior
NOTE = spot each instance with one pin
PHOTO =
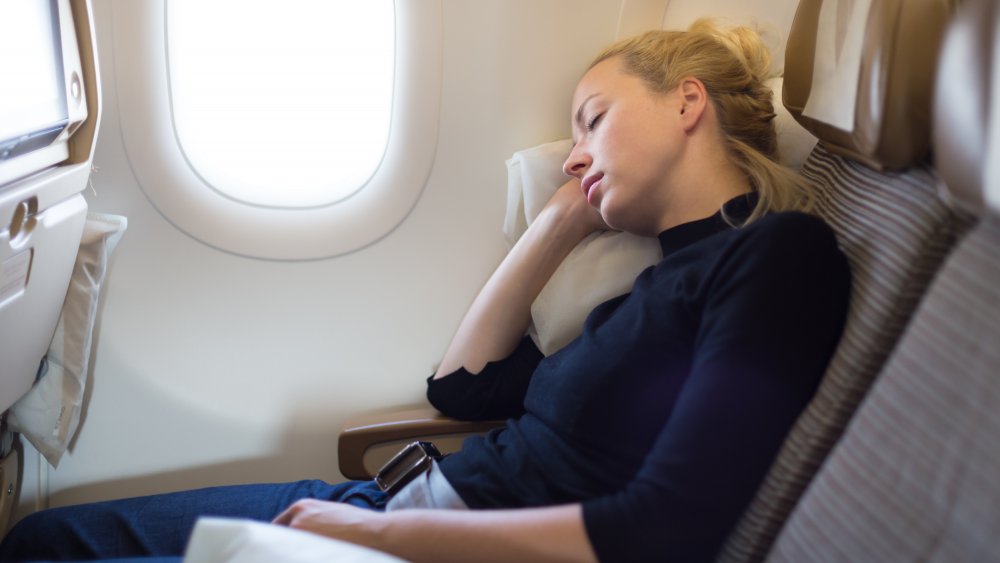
(158, 333)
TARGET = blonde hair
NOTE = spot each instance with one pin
(733, 65)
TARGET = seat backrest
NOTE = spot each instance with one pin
(877, 115)
(915, 476)
(895, 230)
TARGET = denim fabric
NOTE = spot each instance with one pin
(159, 525)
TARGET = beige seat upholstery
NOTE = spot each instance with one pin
(915, 477)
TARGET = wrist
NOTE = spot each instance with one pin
(376, 529)
(565, 224)
(397, 532)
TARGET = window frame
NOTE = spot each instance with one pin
(275, 233)
(320, 190)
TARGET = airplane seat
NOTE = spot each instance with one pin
(53, 256)
(861, 82)
(914, 478)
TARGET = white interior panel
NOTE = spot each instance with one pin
(638, 16)
(772, 18)
(213, 368)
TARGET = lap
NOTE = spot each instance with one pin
(159, 525)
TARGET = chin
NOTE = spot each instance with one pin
(613, 224)
(614, 217)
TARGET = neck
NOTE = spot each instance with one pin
(703, 187)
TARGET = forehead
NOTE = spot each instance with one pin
(607, 81)
(605, 75)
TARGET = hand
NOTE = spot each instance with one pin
(333, 520)
(570, 202)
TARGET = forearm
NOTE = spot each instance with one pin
(500, 314)
(535, 534)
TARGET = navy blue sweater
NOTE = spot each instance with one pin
(663, 417)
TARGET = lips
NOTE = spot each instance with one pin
(588, 185)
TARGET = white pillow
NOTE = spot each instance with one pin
(229, 540)
(602, 266)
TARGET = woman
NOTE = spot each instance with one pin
(643, 439)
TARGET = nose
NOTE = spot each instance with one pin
(577, 162)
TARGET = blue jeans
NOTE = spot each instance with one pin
(160, 525)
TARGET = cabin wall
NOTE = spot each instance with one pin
(212, 368)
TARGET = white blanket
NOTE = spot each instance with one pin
(224, 540)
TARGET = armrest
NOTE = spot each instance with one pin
(364, 431)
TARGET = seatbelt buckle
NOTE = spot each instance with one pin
(413, 460)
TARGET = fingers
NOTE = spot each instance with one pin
(285, 518)
(293, 512)
(331, 519)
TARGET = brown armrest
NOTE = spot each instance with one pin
(362, 432)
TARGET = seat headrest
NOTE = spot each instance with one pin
(966, 120)
(859, 75)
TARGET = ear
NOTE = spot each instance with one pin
(693, 100)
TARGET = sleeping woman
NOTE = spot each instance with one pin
(646, 437)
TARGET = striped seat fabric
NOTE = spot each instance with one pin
(916, 475)
(895, 230)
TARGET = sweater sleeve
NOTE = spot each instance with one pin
(774, 309)
(496, 392)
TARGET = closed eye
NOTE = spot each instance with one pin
(593, 121)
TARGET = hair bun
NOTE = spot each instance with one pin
(745, 42)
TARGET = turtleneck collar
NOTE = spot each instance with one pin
(737, 209)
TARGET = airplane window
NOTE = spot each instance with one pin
(286, 108)
(279, 134)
